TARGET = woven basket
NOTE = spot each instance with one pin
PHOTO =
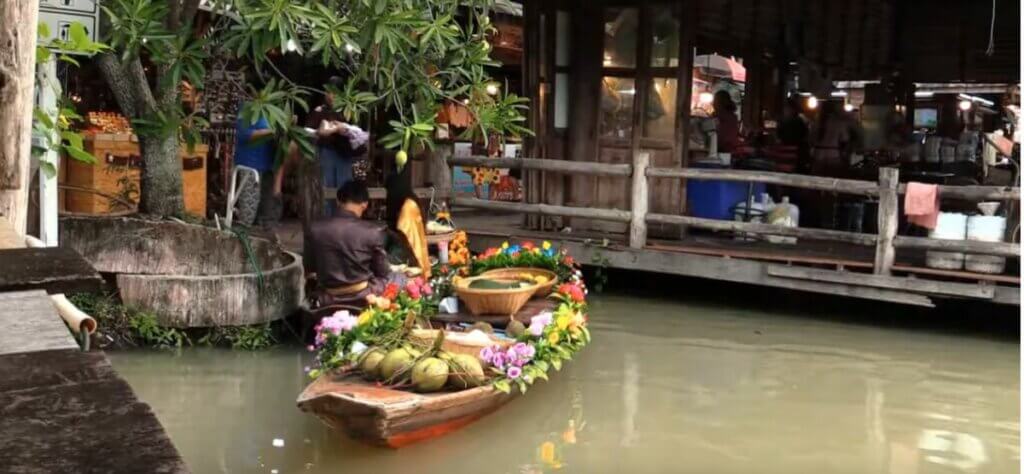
(426, 337)
(513, 272)
(503, 302)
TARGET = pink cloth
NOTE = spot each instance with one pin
(921, 204)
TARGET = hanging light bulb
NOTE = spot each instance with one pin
(291, 46)
(492, 89)
(965, 105)
(705, 98)
(349, 48)
(848, 107)
(812, 102)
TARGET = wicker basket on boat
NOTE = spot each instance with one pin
(456, 342)
(543, 289)
(506, 302)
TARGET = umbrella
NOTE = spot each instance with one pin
(721, 66)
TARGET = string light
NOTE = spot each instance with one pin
(812, 102)
(965, 105)
(492, 89)
(291, 45)
(848, 107)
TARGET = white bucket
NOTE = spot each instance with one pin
(986, 229)
(950, 226)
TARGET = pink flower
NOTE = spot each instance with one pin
(514, 372)
(413, 289)
(498, 360)
(487, 354)
(310, 348)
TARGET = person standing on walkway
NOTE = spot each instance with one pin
(337, 144)
(254, 148)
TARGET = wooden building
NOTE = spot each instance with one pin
(611, 86)
(609, 79)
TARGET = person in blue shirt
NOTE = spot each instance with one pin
(254, 148)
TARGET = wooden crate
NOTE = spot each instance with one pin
(117, 171)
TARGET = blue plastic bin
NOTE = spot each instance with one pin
(713, 199)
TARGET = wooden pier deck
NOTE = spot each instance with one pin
(64, 410)
(61, 409)
(816, 266)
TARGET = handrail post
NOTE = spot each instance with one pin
(638, 203)
(888, 219)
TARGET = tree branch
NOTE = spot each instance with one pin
(188, 11)
(143, 94)
(173, 20)
(119, 83)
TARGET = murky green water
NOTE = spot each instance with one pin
(666, 387)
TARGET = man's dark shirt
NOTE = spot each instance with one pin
(347, 250)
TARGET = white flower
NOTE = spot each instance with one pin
(358, 347)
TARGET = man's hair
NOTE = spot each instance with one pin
(354, 192)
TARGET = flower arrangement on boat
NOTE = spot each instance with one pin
(528, 254)
(550, 339)
(386, 341)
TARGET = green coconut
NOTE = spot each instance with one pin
(445, 356)
(430, 374)
(515, 328)
(370, 361)
(467, 371)
(482, 326)
(395, 361)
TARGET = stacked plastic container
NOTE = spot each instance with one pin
(986, 228)
(950, 226)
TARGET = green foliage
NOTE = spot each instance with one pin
(151, 333)
(501, 117)
(54, 126)
(126, 326)
(251, 338)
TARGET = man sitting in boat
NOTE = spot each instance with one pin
(348, 252)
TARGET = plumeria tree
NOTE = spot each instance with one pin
(399, 58)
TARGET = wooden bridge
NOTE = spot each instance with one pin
(882, 266)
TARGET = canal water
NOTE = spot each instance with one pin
(667, 386)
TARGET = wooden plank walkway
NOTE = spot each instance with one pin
(54, 269)
(63, 410)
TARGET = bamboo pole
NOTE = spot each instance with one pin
(769, 229)
(614, 215)
(559, 166)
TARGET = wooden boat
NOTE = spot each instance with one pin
(394, 418)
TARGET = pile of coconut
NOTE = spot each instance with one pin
(451, 360)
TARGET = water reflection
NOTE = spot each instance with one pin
(666, 387)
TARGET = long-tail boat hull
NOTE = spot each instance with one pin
(392, 418)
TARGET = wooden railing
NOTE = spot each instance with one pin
(887, 190)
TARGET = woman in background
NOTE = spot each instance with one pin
(404, 219)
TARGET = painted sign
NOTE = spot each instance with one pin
(58, 15)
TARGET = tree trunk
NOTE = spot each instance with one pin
(18, 20)
(161, 192)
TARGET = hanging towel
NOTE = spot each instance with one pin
(921, 204)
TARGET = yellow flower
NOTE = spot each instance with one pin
(536, 250)
(553, 338)
(364, 317)
(504, 245)
(546, 245)
(547, 452)
(563, 322)
(578, 320)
